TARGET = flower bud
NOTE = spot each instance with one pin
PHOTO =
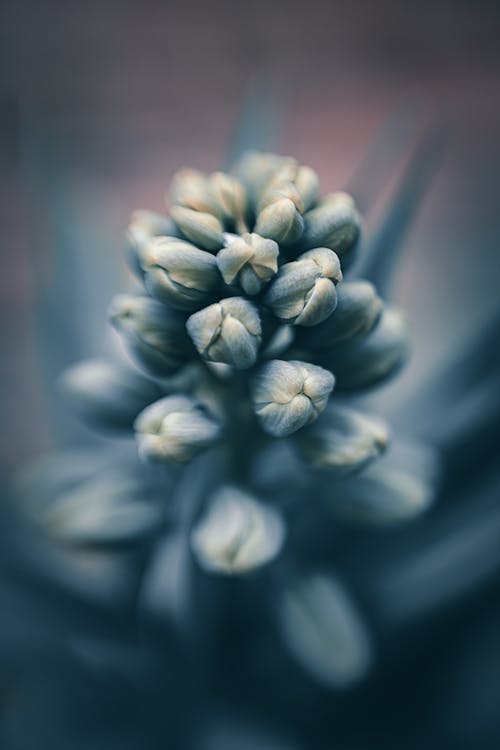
(255, 169)
(178, 273)
(280, 221)
(154, 334)
(299, 183)
(219, 194)
(229, 197)
(200, 227)
(383, 495)
(175, 428)
(288, 395)
(229, 331)
(344, 441)
(324, 631)
(358, 309)
(237, 533)
(278, 189)
(249, 261)
(152, 223)
(368, 361)
(190, 188)
(304, 292)
(103, 511)
(144, 225)
(307, 183)
(105, 395)
(334, 223)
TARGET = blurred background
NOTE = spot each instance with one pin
(102, 101)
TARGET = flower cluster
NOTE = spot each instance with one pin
(246, 275)
(243, 327)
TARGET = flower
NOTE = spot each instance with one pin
(335, 223)
(237, 533)
(107, 395)
(228, 332)
(175, 428)
(345, 442)
(154, 334)
(358, 310)
(304, 292)
(250, 261)
(178, 273)
(288, 395)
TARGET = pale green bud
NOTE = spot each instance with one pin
(358, 309)
(249, 261)
(367, 361)
(324, 631)
(304, 292)
(344, 441)
(200, 227)
(190, 188)
(284, 171)
(136, 241)
(383, 495)
(144, 225)
(334, 223)
(105, 395)
(281, 222)
(255, 169)
(229, 197)
(277, 189)
(288, 395)
(299, 184)
(229, 331)
(237, 533)
(104, 510)
(219, 194)
(268, 176)
(154, 334)
(307, 183)
(152, 223)
(175, 428)
(178, 273)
